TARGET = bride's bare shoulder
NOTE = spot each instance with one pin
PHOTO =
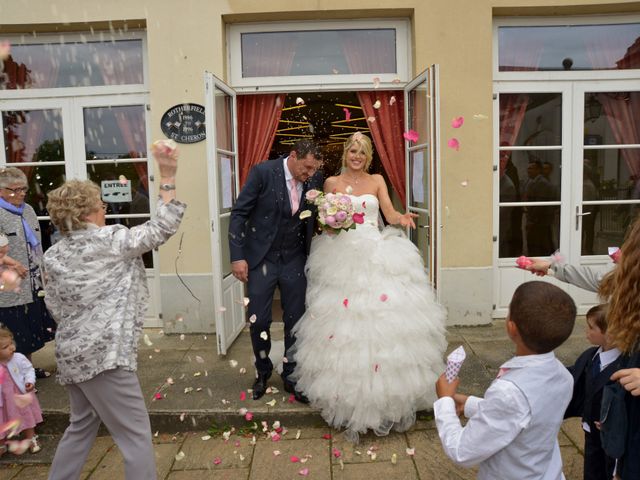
(331, 183)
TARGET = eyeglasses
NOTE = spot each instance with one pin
(17, 190)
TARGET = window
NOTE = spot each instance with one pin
(319, 53)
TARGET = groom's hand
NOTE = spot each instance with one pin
(240, 270)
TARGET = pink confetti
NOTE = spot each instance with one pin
(392, 100)
(292, 398)
(371, 119)
(336, 453)
(345, 302)
(376, 82)
(347, 114)
(217, 461)
(523, 262)
(243, 396)
(457, 122)
(304, 472)
(275, 437)
(237, 443)
(411, 136)
(158, 396)
(453, 143)
(384, 297)
(327, 436)
(294, 459)
(248, 417)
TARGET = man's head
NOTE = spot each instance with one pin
(543, 315)
(547, 168)
(304, 160)
(534, 168)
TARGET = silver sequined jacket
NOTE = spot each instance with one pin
(97, 291)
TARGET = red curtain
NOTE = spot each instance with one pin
(513, 107)
(258, 117)
(387, 133)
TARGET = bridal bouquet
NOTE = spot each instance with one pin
(335, 211)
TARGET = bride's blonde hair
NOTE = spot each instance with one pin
(362, 141)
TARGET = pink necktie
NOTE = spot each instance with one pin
(295, 201)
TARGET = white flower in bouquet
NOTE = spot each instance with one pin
(335, 211)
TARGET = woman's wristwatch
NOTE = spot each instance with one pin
(168, 187)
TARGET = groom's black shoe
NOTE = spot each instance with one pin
(260, 385)
(291, 388)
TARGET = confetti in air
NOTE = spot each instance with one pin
(411, 136)
(464, 183)
(371, 119)
(123, 180)
(347, 114)
(376, 82)
(305, 214)
(299, 101)
(457, 122)
(453, 143)
(264, 335)
(479, 116)
(377, 104)
(392, 100)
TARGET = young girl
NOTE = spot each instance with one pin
(17, 400)
(11, 271)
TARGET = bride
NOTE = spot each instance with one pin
(369, 346)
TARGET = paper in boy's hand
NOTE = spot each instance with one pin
(454, 362)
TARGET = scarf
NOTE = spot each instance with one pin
(28, 231)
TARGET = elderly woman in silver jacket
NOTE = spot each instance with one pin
(97, 291)
(23, 312)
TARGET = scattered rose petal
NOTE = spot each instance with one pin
(275, 436)
(411, 451)
(179, 456)
(248, 416)
(276, 453)
(285, 360)
(292, 398)
(253, 440)
(242, 411)
(411, 136)
(345, 302)
(392, 100)
(341, 465)
(348, 190)
(232, 363)
(246, 301)
(147, 341)
(464, 183)
(453, 143)
(373, 455)
(170, 381)
(396, 80)
(394, 459)
(226, 435)
(457, 122)
(241, 457)
(217, 461)
(122, 179)
(336, 453)
(265, 426)
(335, 71)
(158, 396)
(298, 433)
(479, 116)
(376, 367)
(242, 370)
(206, 437)
(188, 390)
(294, 459)
(376, 82)
(305, 214)
(182, 336)
(199, 359)
(272, 403)
(253, 318)
(304, 472)
(347, 114)
(264, 335)
(243, 395)
(276, 425)
(299, 101)
(197, 374)
(371, 119)
(327, 436)
(377, 104)
(384, 297)
(182, 417)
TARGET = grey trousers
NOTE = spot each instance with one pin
(115, 398)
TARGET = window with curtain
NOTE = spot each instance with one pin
(80, 61)
(569, 47)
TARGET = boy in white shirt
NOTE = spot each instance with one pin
(512, 432)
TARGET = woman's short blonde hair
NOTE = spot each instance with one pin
(70, 204)
(364, 143)
(12, 175)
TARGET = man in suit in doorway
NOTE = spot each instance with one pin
(269, 244)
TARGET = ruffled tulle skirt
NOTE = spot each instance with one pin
(369, 347)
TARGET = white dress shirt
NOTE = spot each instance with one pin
(494, 422)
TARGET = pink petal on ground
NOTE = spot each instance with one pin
(217, 461)
(457, 122)
(411, 136)
(347, 114)
(304, 472)
(292, 398)
(327, 436)
(243, 395)
(248, 416)
(336, 453)
(158, 396)
(454, 143)
(275, 437)
(384, 297)
(345, 302)
(294, 459)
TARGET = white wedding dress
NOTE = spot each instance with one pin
(369, 347)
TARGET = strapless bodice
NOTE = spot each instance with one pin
(367, 204)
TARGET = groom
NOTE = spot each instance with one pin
(268, 244)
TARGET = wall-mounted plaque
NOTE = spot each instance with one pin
(184, 123)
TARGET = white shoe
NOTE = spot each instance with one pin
(34, 447)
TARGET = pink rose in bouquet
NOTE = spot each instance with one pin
(335, 211)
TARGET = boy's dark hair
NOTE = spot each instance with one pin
(544, 315)
(598, 316)
(305, 147)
